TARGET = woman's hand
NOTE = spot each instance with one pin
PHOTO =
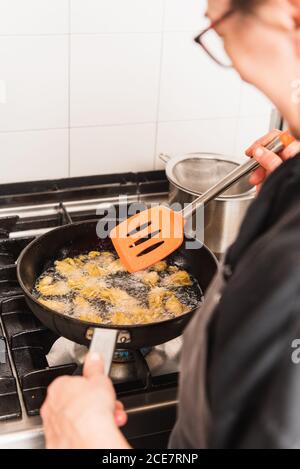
(268, 160)
(82, 412)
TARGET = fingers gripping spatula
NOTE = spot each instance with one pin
(152, 235)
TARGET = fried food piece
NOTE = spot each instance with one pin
(120, 318)
(59, 288)
(160, 266)
(115, 267)
(156, 298)
(161, 300)
(137, 315)
(77, 283)
(151, 279)
(178, 279)
(82, 257)
(107, 254)
(80, 302)
(68, 267)
(93, 254)
(119, 298)
(104, 259)
(94, 270)
(112, 295)
(91, 317)
(56, 305)
(148, 278)
(115, 296)
(83, 281)
(145, 316)
(93, 292)
(174, 306)
(45, 281)
(88, 281)
(85, 311)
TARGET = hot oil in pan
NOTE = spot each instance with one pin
(95, 287)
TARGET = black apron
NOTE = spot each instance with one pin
(238, 386)
(194, 406)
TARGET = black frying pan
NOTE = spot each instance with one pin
(72, 240)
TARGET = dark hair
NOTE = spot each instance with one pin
(246, 5)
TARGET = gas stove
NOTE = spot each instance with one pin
(32, 356)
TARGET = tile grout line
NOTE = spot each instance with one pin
(238, 120)
(69, 89)
(126, 124)
(103, 33)
(159, 82)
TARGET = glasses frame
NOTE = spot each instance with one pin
(199, 39)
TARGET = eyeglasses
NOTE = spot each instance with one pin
(213, 44)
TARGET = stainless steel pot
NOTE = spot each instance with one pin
(191, 175)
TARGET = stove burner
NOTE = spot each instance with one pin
(125, 356)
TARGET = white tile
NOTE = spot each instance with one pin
(35, 75)
(2, 92)
(192, 86)
(212, 136)
(33, 16)
(249, 130)
(102, 16)
(103, 150)
(185, 15)
(253, 102)
(114, 79)
(29, 156)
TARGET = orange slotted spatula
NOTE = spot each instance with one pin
(152, 235)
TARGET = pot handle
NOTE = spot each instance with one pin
(165, 158)
(104, 343)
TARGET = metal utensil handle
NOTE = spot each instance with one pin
(229, 180)
(103, 344)
(164, 157)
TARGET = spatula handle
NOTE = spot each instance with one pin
(277, 145)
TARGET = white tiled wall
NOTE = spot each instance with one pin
(116, 148)
(208, 135)
(34, 155)
(36, 75)
(116, 16)
(100, 86)
(33, 17)
(107, 85)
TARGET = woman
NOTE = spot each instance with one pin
(239, 386)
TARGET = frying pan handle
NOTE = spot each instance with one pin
(104, 343)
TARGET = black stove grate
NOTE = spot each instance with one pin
(7, 225)
(82, 188)
(30, 342)
(9, 401)
(10, 249)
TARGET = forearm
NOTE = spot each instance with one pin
(112, 439)
(109, 438)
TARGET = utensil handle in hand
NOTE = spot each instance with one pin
(103, 344)
(277, 145)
